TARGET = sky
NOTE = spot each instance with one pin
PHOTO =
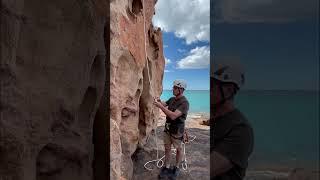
(186, 39)
(277, 41)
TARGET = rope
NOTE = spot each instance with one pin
(145, 42)
(160, 162)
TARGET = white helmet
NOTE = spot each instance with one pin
(229, 72)
(180, 83)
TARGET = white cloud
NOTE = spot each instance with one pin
(182, 50)
(198, 58)
(189, 20)
(167, 61)
(167, 71)
(165, 46)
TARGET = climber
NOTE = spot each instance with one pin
(176, 110)
(232, 134)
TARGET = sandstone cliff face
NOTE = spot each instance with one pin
(136, 66)
(52, 80)
(53, 97)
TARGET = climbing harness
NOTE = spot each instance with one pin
(160, 162)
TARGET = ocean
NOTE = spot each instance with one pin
(199, 100)
(286, 127)
(285, 123)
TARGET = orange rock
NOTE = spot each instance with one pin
(135, 81)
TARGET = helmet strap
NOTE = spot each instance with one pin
(224, 98)
(215, 106)
(179, 92)
(222, 95)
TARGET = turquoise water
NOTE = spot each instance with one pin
(285, 123)
(286, 126)
(199, 100)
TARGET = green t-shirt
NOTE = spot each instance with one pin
(177, 126)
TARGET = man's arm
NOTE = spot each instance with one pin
(219, 164)
(172, 115)
(164, 103)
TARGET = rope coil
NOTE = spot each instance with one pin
(160, 162)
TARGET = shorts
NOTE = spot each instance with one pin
(168, 140)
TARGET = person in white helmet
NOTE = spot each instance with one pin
(233, 137)
(176, 110)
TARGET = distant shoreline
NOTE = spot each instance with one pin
(198, 114)
(194, 120)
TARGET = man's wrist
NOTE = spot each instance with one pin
(162, 107)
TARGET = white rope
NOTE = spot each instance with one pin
(160, 162)
(184, 162)
(145, 42)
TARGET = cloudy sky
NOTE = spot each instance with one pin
(276, 40)
(186, 36)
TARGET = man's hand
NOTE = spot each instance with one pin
(157, 99)
(157, 102)
(172, 115)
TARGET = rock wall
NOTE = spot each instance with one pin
(136, 66)
(52, 80)
(53, 100)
